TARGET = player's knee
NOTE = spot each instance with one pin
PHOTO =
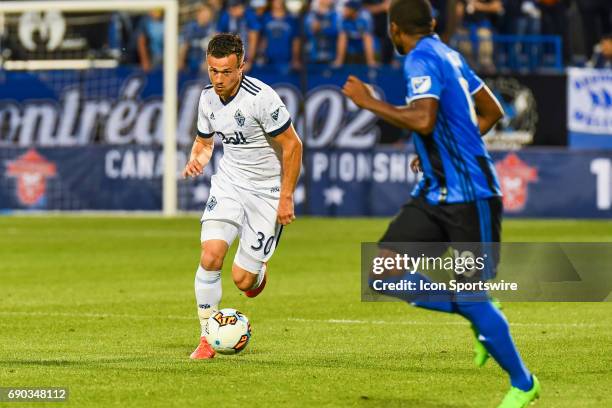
(212, 260)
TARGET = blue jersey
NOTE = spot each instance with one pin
(455, 162)
(196, 37)
(355, 29)
(279, 33)
(322, 43)
(241, 26)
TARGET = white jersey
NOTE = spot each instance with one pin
(244, 124)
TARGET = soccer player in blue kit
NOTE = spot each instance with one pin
(448, 108)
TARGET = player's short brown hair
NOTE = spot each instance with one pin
(411, 16)
(224, 44)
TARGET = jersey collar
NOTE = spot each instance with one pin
(235, 95)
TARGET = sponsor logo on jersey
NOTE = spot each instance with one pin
(420, 84)
(212, 116)
(240, 119)
(211, 204)
(275, 189)
(275, 114)
(31, 171)
(514, 176)
(237, 139)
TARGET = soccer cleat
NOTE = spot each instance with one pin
(254, 292)
(481, 355)
(203, 352)
(517, 398)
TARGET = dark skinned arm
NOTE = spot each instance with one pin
(488, 108)
(419, 116)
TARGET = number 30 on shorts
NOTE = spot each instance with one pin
(261, 238)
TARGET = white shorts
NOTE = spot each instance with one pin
(254, 218)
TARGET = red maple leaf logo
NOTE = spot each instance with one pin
(515, 175)
(31, 170)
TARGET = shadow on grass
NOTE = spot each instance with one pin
(367, 401)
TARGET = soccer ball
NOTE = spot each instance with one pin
(228, 331)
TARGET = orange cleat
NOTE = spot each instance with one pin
(254, 292)
(203, 352)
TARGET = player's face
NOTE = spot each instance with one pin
(225, 74)
(395, 35)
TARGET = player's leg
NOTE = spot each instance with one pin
(258, 241)
(489, 322)
(220, 226)
(413, 224)
(216, 238)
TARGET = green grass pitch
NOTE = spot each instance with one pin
(105, 306)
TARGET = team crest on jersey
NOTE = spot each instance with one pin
(420, 84)
(240, 119)
(212, 116)
(211, 204)
(275, 114)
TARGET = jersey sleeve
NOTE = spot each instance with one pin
(423, 77)
(475, 83)
(272, 114)
(204, 129)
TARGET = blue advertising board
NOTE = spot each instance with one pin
(336, 182)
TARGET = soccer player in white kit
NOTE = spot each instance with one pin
(251, 195)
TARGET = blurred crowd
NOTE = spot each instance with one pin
(285, 34)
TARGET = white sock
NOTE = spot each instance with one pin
(260, 277)
(208, 294)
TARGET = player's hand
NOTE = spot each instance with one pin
(285, 214)
(358, 91)
(193, 168)
(415, 165)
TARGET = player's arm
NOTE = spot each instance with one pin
(488, 109)
(419, 116)
(291, 162)
(201, 152)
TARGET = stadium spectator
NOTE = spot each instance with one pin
(602, 54)
(554, 21)
(259, 7)
(521, 17)
(151, 40)
(355, 40)
(479, 18)
(596, 18)
(322, 27)
(445, 13)
(280, 31)
(238, 19)
(379, 10)
(194, 39)
(122, 38)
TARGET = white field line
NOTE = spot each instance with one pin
(97, 315)
(299, 320)
(459, 323)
